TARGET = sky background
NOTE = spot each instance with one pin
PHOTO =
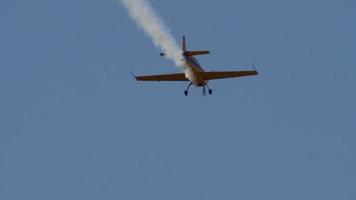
(75, 125)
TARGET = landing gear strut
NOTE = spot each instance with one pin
(210, 91)
(186, 91)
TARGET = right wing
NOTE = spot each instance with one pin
(227, 74)
(163, 77)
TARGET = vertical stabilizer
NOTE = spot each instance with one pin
(184, 47)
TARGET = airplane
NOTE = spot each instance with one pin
(194, 73)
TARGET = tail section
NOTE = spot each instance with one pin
(184, 47)
(194, 53)
(191, 53)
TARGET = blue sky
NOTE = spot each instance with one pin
(75, 125)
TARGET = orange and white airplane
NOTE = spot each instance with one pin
(194, 73)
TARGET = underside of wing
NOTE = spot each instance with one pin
(227, 74)
(163, 77)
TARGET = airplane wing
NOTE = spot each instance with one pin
(227, 74)
(163, 77)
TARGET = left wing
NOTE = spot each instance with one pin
(163, 77)
(227, 74)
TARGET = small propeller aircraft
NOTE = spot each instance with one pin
(194, 73)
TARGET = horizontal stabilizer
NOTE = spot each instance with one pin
(194, 53)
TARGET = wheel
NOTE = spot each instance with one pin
(210, 92)
(185, 92)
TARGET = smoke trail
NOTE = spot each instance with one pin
(143, 14)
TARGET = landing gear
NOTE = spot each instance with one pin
(210, 91)
(186, 91)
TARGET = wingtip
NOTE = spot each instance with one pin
(254, 67)
(133, 75)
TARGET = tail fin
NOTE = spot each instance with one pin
(191, 53)
(184, 47)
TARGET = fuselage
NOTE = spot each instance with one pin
(192, 70)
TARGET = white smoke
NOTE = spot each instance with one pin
(143, 14)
